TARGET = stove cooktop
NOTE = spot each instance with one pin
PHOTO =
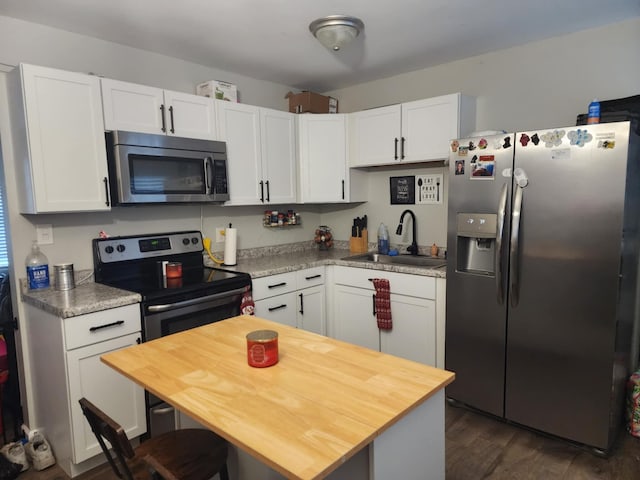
(134, 263)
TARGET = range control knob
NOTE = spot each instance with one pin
(185, 241)
(121, 248)
(108, 249)
(195, 240)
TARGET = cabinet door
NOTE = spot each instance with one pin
(239, 126)
(374, 136)
(65, 147)
(311, 309)
(281, 308)
(190, 116)
(353, 317)
(413, 335)
(278, 147)
(428, 126)
(133, 107)
(119, 397)
(323, 158)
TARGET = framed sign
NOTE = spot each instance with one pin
(402, 190)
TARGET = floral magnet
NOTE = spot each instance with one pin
(579, 137)
(524, 139)
(553, 138)
(482, 144)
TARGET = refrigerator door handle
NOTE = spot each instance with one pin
(514, 260)
(502, 207)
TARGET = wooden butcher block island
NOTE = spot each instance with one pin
(308, 415)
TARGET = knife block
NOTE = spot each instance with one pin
(359, 244)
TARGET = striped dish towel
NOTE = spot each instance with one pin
(383, 303)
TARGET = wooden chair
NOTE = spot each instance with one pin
(193, 454)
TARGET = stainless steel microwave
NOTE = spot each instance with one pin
(146, 168)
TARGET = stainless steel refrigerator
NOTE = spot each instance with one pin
(542, 277)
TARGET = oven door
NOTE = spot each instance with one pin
(161, 319)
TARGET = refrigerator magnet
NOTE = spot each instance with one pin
(459, 167)
(579, 137)
(484, 168)
(463, 150)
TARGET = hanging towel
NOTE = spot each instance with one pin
(383, 303)
(247, 306)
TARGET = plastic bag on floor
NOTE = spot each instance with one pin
(39, 452)
(14, 452)
(633, 404)
(8, 469)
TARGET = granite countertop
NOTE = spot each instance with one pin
(85, 298)
(288, 262)
(90, 297)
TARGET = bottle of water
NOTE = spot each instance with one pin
(37, 268)
(383, 239)
(593, 116)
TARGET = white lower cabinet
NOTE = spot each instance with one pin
(65, 359)
(296, 299)
(413, 312)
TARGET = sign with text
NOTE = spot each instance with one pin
(402, 190)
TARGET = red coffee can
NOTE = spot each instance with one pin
(262, 348)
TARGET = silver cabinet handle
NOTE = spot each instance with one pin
(502, 206)
(514, 255)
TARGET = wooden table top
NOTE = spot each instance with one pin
(304, 416)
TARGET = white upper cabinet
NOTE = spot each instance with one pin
(140, 108)
(261, 147)
(418, 131)
(58, 140)
(324, 173)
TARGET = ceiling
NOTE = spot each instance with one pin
(270, 39)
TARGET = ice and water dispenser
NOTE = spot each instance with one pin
(476, 249)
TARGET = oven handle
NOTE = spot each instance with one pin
(194, 301)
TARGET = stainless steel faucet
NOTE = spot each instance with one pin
(413, 248)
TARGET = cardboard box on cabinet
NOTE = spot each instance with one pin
(310, 102)
(219, 90)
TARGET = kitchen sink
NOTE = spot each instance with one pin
(412, 260)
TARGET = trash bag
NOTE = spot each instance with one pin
(8, 469)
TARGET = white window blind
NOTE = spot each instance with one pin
(4, 256)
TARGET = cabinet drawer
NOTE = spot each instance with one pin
(281, 308)
(266, 287)
(310, 277)
(100, 326)
(399, 283)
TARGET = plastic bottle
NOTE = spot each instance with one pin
(383, 239)
(593, 116)
(37, 268)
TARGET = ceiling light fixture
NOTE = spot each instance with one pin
(336, 31)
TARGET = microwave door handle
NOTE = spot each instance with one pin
(208, 175)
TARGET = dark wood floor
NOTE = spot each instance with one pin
(479, 447)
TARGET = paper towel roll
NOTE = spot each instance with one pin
(230, 243)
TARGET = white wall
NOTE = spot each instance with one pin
(538, 85)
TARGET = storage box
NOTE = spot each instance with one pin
(217, 89)
(309, 102)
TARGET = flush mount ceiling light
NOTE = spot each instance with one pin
(336, 31)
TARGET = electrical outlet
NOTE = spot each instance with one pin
(220, 235)
(44, 234)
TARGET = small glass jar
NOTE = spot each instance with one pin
(324, 237)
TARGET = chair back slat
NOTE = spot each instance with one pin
(105, 428)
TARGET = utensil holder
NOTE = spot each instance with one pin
(359, 244)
